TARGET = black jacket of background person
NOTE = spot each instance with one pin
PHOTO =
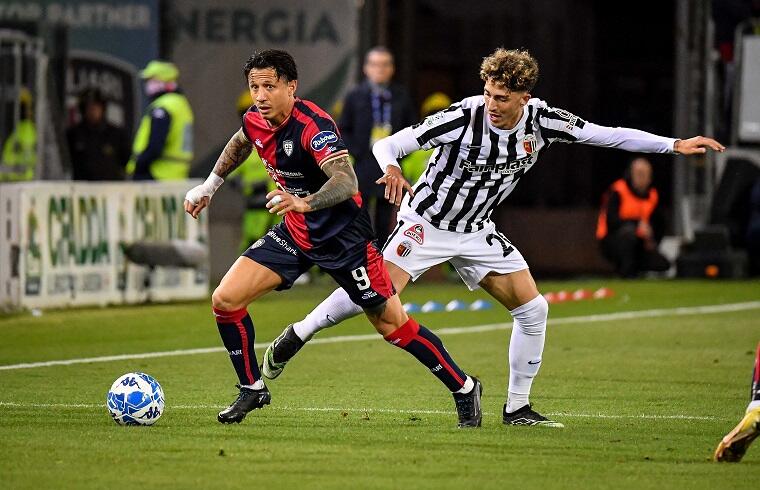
(98, 152)
(656, 221)
(355, 126)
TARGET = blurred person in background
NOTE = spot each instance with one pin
(163, 146)
(99, 150)
(734, 445)
(483, 145)
(374, 109)
(630, 226)
(753, 229)
(19, 157)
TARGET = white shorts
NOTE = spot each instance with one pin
(415, 245)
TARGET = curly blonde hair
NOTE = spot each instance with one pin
(515, 69)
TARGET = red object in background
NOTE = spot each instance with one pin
(550, 298)
(581, 294)
(603, 293)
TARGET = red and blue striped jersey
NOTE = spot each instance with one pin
(293, 154)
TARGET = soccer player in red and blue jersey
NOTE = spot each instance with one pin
(324, 225)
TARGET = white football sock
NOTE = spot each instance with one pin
(330, 312)
(525, 348)
(255, 386)
(468, 385)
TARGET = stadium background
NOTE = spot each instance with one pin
(655, 66)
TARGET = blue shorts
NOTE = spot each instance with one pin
(353, 260)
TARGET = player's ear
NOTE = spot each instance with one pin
(525, 98)
(292, 86)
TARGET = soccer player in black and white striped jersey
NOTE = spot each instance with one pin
(483, 146)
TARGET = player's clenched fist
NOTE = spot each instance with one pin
(199, 196)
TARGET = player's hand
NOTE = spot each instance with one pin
(696, 145)
(644, 230)
(199, 196)
(196, 200)
(395, 184)
(281, 202)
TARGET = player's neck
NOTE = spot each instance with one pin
(280, 118)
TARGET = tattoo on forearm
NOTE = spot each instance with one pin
(234, 154)
(341, 185)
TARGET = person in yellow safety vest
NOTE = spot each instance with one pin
(415, 164)
(19, 157)
(163, 146)
(255, 184)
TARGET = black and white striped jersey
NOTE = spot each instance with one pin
(475, 165)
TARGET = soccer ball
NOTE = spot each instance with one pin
(135, 399)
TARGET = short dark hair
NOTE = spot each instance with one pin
(281, 61)
(90, 95)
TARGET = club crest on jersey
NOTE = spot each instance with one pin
(287, 147)
(529, 143)
(416, 233)
(322, 139)
(257, 243)
(404, 248)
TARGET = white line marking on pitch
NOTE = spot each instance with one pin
(607, 317)
(368, 410)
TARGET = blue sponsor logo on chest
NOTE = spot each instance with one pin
(322, 139)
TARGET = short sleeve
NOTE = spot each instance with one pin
(322, 140)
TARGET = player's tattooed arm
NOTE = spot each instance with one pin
(237, 149)
(341, 186)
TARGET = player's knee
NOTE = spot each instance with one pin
(221, 299)
(531, 317)
(375, 313)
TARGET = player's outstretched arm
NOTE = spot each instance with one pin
(234, 154)
(696, 145)
(341, 185)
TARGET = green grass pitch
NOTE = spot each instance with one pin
(644, 399)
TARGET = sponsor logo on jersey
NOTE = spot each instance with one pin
(282, 243)
(505, 168)
(404, 248)
(257, 243)
(571, 118)
(369, 294)
(259, 143)
(322, 139)
(529, 143)
(287, 147)
(433, 119)
(416, 233)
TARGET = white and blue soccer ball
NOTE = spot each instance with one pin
(135, 399)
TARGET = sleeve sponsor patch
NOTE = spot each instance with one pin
(434, 119)
(322, 139)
